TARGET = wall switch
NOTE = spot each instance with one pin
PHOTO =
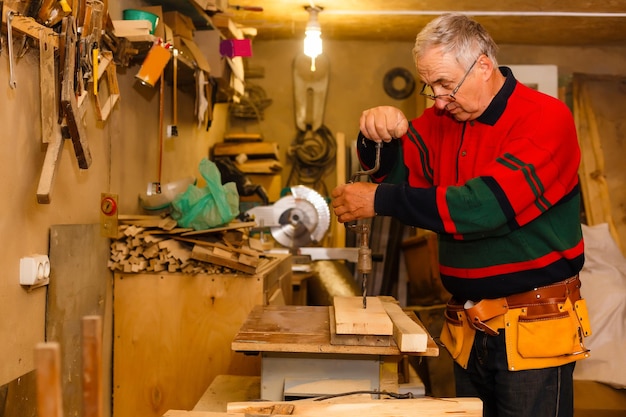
(34, 269)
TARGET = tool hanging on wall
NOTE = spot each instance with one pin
(12, 79)
(69, 104)
(155, 187)
(314, 149)
(172, 130)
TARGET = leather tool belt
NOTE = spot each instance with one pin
(544, 326)
(539, 301)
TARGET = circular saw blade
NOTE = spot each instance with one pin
(304, 219)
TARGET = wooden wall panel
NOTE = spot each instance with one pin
(173, 335)
(598, 108)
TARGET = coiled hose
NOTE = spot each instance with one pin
(313, 154)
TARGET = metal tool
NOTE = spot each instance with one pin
(303, 218)
(12, 81)
(364, 263)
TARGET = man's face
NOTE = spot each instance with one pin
(455, 89)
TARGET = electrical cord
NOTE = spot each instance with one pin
(375, 392)
(313, 153)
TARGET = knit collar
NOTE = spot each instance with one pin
(495, 109)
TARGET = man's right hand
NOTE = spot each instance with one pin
(383, 123)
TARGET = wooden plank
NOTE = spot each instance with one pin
(354, 339)
(208, 254)
(106, 105)
(48, 100)
(243, 137)
(409, 336)
(231, 226)
(363, 407)
(259, 166)
(49, 169)
(28, 26)
(352, 318)
(339, 231)
(93, 403)
(48, 365)
(597, 112)
(250, 149)
(83, 287)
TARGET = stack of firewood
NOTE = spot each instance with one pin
(154, 244)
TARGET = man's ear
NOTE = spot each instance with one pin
(485, 66)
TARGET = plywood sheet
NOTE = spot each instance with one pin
(598, 104)
(80, 285)
(173, 335)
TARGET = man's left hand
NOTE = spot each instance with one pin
(354, 201)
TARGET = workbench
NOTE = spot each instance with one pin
(294, 343)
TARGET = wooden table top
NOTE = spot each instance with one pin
(305, 329)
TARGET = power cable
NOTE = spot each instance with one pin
(313, 153)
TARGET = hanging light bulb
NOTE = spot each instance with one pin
(313, 35)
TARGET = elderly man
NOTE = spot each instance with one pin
(492, 169)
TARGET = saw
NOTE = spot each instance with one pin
(299, 219)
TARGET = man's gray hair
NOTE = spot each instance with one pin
(458, 34)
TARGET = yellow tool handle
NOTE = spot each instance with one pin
(95, 54)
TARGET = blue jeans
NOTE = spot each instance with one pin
(545, 392)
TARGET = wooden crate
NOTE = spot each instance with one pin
(173, 334)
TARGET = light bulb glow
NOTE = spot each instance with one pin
(313, 43)
(313, 36)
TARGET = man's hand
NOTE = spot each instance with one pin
(383, 123)
(354, 201)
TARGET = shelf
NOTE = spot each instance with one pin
(200, 19)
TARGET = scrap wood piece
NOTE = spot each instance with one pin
(230, 226)
(48, 100)
(104, 107)
(93, 401)
(243, 137)
(259, 166)
(29, 26)
(354, 339)
(49, 169)
(250, 149)
(352, 318)
(48, 384)
(409, 336)
(208, 254)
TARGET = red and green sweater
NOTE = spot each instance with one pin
(501, 191)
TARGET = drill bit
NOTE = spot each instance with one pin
(364, 263)
(364, 290)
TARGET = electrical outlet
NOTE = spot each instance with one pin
(34, 269)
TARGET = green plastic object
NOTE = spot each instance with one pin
(135, 14)
(207, 207)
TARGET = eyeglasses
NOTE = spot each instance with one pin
(428, 91)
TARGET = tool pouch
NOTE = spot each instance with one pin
(457, 334)
(544, 340)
